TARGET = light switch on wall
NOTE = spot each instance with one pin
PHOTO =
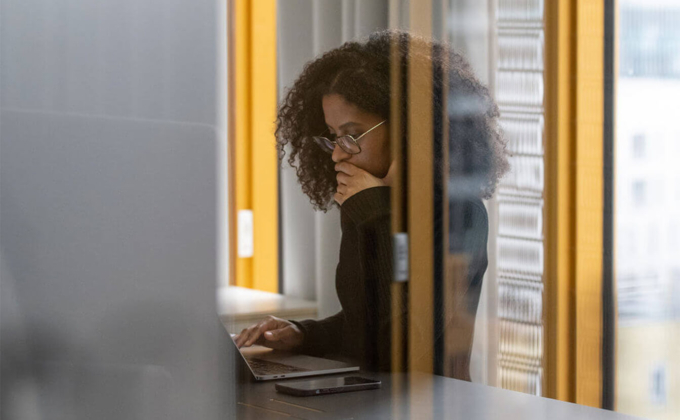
(245, 233)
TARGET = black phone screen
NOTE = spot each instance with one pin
(330, 383)
(327, 386)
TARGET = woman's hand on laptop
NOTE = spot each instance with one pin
(272, 332)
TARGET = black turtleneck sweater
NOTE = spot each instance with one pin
(362, 329)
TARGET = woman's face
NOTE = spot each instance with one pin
(344, 118)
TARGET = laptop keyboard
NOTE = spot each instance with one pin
(267, 367)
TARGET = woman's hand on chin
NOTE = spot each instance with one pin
(352, 179)
(272, 332)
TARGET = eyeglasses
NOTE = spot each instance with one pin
(347, 143)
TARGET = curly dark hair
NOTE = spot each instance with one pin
(360, 73)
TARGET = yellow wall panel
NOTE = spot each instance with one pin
(256, 166)
(574, 199)
(242, 170)
(264, 157)
(559, 209)
(420, 202)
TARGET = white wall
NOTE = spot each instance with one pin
(311, 250)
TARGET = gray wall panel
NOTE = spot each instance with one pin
(108, 209)
(295, 48)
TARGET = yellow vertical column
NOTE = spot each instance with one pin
(420, 214)
(399, 223)
(398, 196)
(589, 199)
(256, 166)
(264, 163)
(559, 65)
(242, 170)
(574, 199)
(420, 196)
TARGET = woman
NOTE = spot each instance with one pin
(335, 121)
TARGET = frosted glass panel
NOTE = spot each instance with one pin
(646, 208)
(519, 377)
(524, 133)
(526, 174)
(523, 341)
(522, 10)
(520, 50)
(520, 256)
(520, 300)
(522, 219)
(520, 88)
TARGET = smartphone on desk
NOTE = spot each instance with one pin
(327, 386)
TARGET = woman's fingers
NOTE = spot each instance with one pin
(346, 168)
(349, 174)
(352, 179)
(257, 332)
(280, 334)
(271, 332)
(342, 178)
(286, 338)
(250, 335)
(244, 336)
(238, 337)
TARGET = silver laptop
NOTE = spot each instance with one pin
(266, 364)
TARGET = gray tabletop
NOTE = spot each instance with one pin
(415, 396)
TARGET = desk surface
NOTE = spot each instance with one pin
(430, 397)
(238, 302)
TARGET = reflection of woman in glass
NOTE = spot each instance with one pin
(335, 122)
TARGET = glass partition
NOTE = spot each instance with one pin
(647, 205)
